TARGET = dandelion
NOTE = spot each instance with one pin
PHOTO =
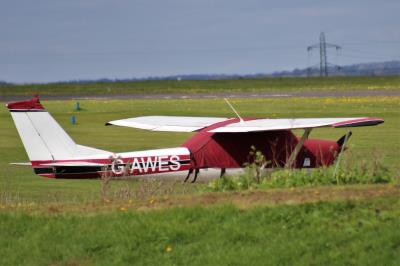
(123, 209)
(168, 248)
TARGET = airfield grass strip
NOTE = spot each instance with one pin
(340, 233)
(21, 185)
(205, 86)
(242, 200)
(63, 222)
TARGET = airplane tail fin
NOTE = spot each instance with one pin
(42, 136)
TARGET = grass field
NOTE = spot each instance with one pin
(63, 222)
(207, 86)
(91, 131)
(339, 233)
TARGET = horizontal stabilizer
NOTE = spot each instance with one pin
(24, 164)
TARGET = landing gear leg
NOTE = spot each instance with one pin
(195, 175)
(223, 171)
(188, 175)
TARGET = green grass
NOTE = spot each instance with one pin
(208, 86)
(336, 233)
(20, 182)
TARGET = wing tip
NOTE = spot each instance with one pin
(362, 122)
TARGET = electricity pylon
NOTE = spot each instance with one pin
(322, 45)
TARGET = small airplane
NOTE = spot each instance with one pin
(220, 143)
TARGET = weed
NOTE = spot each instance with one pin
(106, 177)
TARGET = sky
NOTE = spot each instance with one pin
(59, 40)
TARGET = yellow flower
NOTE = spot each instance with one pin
(168, 248)
(123, 209)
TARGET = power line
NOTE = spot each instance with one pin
(380, 58)
(370, 42)
(364, 52)
(273, 49)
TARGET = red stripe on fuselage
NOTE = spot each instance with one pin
(103, 160)
(115, 166)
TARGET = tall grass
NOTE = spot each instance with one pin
(353, 170)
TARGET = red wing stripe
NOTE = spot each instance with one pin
(369, 121)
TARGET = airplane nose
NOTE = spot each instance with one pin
(324, 151)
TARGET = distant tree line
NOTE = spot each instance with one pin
(389, 68)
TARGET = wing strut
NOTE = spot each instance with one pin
(295, 152)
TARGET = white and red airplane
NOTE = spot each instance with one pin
(220, 143)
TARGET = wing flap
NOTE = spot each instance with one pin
(168, 123)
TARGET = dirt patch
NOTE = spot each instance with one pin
(276, 196)
(242, 200)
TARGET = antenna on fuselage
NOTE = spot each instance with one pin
(233, 109)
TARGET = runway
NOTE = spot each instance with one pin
(307, 94)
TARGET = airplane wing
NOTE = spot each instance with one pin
(191, 124)
(298, 123)
(168, 123)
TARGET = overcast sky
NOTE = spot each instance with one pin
(53, 40)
